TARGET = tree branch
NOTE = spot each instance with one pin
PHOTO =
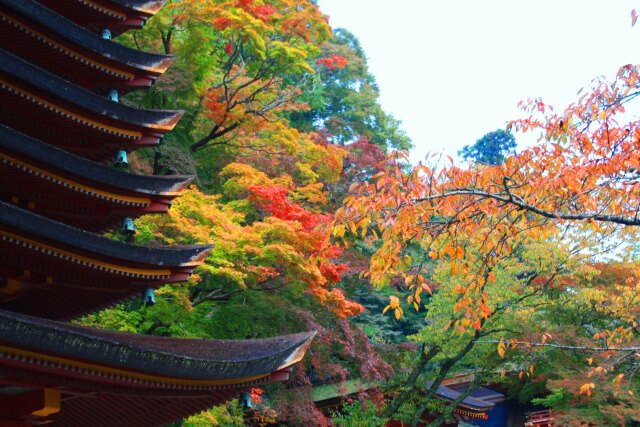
(617, 219)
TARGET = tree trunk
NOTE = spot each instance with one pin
(446, 367)
(410, 385)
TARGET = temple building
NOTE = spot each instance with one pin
(62, 134)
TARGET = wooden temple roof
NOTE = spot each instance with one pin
(175, 377)
(481, 399)
(56, 271)
(37, 176)
(25, 222)
(207, 362)
(50, 108)
(116, 15)
(46, 39)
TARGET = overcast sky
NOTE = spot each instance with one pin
(452, 71)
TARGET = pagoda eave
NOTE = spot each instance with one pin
(62, 47)
(78, 362)
(57, 184)
(46, 107)
(57, 271)
(117, 15)
(150, 7)
(157, 361)
(27, 227)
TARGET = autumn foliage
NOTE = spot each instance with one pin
(578, 186)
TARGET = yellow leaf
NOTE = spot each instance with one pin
(353, 228)
(394, 302)
(586, 388)
(365, 227)
(502, 350)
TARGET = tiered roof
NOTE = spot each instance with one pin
(57, 271)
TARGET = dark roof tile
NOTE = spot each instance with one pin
(77, 35)
(27, 223)
(200, 359)
(58, 88)
(61, 160)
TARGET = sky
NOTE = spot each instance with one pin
(454, 70)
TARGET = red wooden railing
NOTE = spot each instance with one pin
(539, 419)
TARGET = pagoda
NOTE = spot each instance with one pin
(62, 130)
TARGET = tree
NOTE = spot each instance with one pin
(244, 70)
(491, 149)
(264, 64)
(241, 64)
(580, 185)
(345, 101)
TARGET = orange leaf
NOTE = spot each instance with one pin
(491, 278)
(586, 388)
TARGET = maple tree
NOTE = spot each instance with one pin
(580, 184)
(265, 64)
